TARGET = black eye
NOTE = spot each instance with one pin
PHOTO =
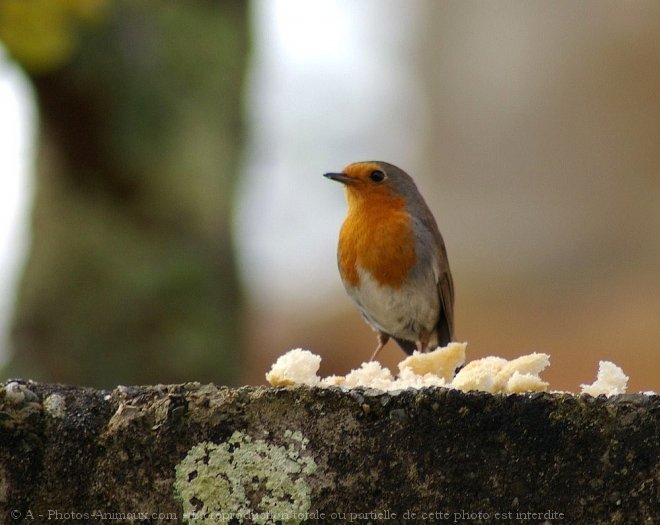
(377, 176)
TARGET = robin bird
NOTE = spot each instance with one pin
(392, 259)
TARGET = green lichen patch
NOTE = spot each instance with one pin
(55, 406)
(246, 480)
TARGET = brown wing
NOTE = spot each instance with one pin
(446, 319)
(445, 284)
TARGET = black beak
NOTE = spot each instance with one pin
(339, 177)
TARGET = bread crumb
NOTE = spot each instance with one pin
(497, 375)
(610, 381)
(489, 374)
(528, 368)
(479, 374)
(520, 383)
(408, 379)
(333, 381)
(442, 362)
(295, 367)
(370, 374)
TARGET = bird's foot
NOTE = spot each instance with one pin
(382, 341)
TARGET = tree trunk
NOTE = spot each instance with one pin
(132, 274)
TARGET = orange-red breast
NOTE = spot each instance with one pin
(392, 258)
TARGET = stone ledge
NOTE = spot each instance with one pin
(196, 453)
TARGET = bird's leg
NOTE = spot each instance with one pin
(423, 344)
(382, 341)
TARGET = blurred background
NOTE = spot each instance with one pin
(163, 217)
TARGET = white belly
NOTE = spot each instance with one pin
(404, 312)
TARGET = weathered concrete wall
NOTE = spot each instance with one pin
(198, 454)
